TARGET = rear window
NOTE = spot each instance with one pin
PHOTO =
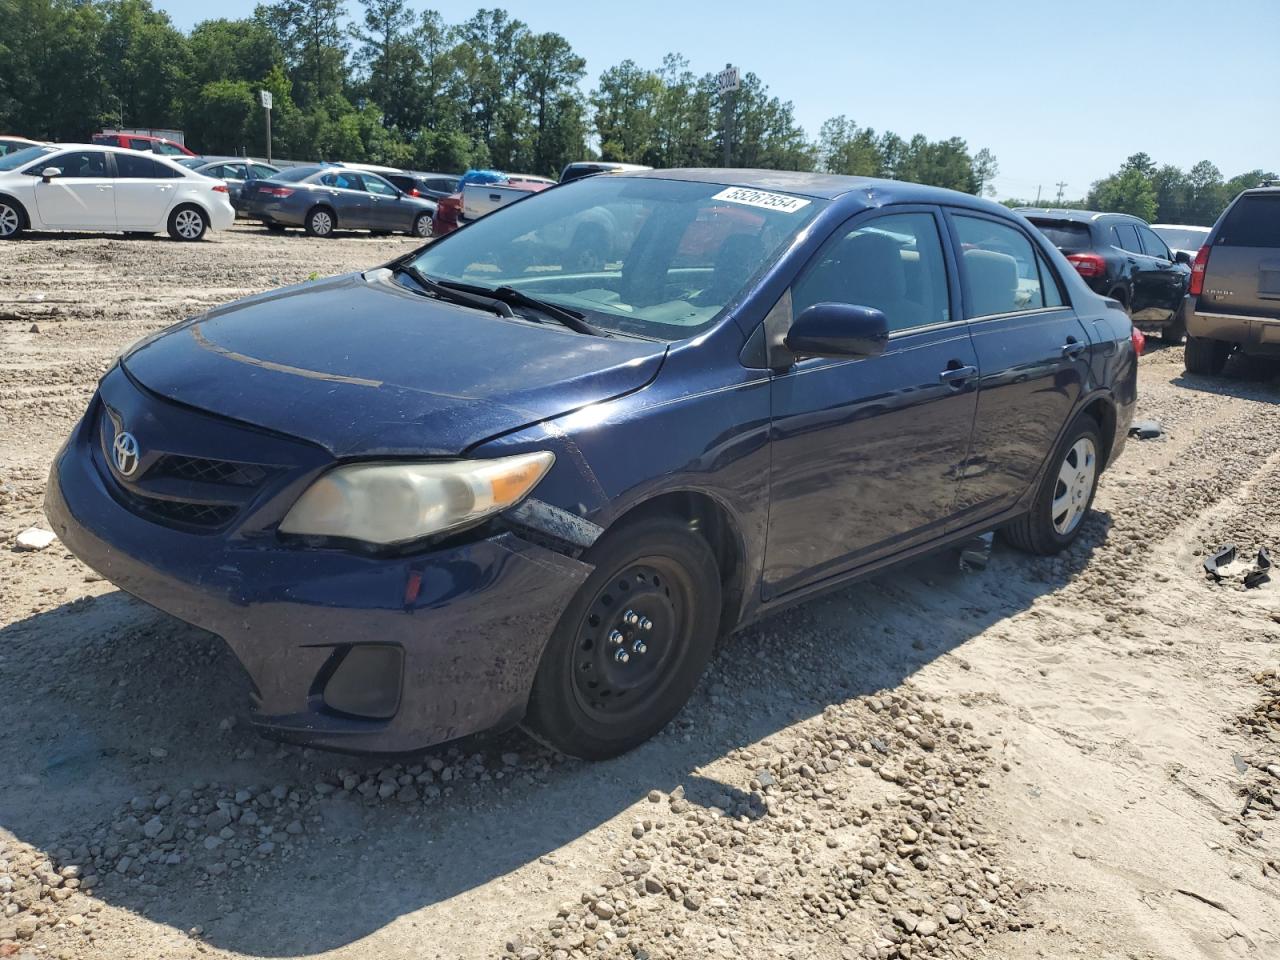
(294, 174)
(1254, 221)
(105, 138)
(1065, 235)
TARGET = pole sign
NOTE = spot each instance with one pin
(728, 80)
(266, 98)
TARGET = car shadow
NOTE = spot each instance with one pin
(1246, 377)
(126, 701)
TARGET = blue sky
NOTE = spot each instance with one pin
(1058, 91)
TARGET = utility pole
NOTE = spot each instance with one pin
(1061, 186)
(1037, 203)
(728, 80)
(265, 96)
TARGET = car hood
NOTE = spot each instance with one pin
(363, 367)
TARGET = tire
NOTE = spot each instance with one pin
(1066, 493)
(321, 222)
(1205, 357)
(421, 226)
(623, 661)
(188, 223)
(1173, 331)
(13, 219)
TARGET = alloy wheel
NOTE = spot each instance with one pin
(189, 224)
(1071, 494)
(422, 226)
(629, 642)
(9, 220)
(321, 223)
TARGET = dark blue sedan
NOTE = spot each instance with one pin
(530, 473)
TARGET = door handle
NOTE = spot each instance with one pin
(955, 376)
(1073, 348)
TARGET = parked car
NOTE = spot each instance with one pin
(1181, 238)
(589, 168)
(138, 141)
(432, 498)
(429, 186)
(1120, 257)
(1234, 301)
(71, 186)
(10, 145)
(324, 199)
(481, 192)
(235, 172)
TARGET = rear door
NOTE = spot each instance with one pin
(1243, 275)
(1144, 282)
(82, 197)
(867, 453)
(145, 191)
(350, 201)
(1033, 352)
(1167, 280)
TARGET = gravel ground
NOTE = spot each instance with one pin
(1077, 756)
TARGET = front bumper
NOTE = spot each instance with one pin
(469, 622)
(1255, 333)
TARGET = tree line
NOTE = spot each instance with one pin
(401, 86)
(1164, 193)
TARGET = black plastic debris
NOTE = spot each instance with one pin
(1145, 429)
(975, 553)
(1222, 557)
(1261, 571)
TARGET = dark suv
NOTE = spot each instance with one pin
(1234, 301)
(466, 490)
(1119, 256)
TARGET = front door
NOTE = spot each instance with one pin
(866, 453)
(386, 211)
(1034, 354)
(350, 201)
(82, 197)
(145, 191)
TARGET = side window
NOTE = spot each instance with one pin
(1049, 283)
(1000, 266)
(168, 149)
(379, 186)
(262, 171)
(81, 165)
(134, 166)
(1154, 246)
(134, 143)
(342, 181)
(233, 171)
(1128, 235)
(893, 263)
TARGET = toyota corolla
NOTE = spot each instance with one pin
(529, 473)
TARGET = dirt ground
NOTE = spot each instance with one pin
(1047, 758)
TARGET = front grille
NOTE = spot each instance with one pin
(207, 516)
(209, 471)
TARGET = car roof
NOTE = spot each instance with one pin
(872, 191)
(1180, 226)
(1075, 216)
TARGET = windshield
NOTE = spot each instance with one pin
(12, 161)
(1182, 238)
(657, 258)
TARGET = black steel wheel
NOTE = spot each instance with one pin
(632, 643)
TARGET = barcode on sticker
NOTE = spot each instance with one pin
(762, 198)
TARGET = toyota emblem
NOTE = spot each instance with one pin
(125, 453)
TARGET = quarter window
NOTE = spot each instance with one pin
(1001, 268)
(1049, 282)
(892, 263)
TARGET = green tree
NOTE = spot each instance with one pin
(231, 50)
(626, 103)
(1129, 191)
(145, 63)
(314, 43)
(985, 169)
(1173, 194)
(844, 147)
(1208, 193)
(549, 85)
(389, 58)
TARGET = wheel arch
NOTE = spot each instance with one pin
(189, 202)
(23, 215)
(712, 520)
(322, 205)
(1102, 409)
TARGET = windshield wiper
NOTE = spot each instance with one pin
(455, 295)
(518, 298)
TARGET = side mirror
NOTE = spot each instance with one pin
(48, 173)
(838, 330)
(1182, 257)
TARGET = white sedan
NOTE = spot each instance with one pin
(90, 187)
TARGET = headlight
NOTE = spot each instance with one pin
(393, 503)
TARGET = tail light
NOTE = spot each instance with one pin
(220, 188)
(277, 192)
(1088, 264)
(1139, 341)
(1198, 267)
(414, 192)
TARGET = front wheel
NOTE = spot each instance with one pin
(1065, 495)
(422, 225)
(632, 644)
(10, 220)
(188, 223)
(1205, 357)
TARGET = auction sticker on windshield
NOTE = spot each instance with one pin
(760, 198)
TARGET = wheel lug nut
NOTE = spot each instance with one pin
(621, 656)
(631, 617)
(638, 647)
(646, 623)
(615, 637)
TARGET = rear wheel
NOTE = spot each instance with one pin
(1205, 357)
(632, 644)
(1173, 331)
(320, 222)
(11, 219)
(1065, 495)
(188, 223)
